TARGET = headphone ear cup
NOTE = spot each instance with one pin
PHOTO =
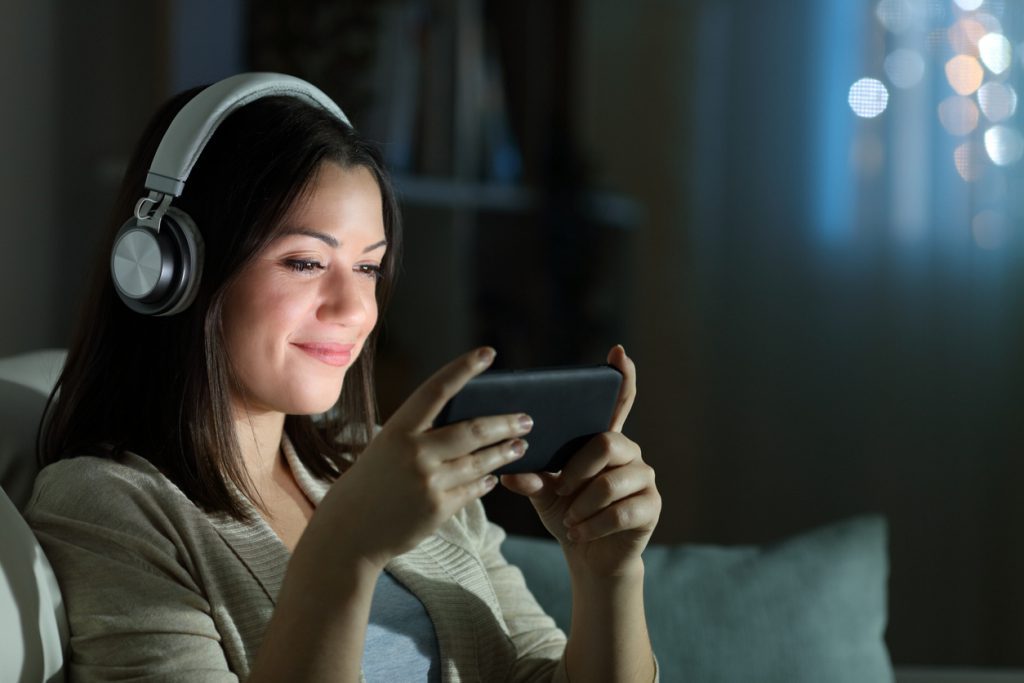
(158, 272)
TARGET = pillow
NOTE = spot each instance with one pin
(32, 619)
(20, 408)
(810, 608)
(25, 384)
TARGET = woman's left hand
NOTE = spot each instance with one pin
(603, 506)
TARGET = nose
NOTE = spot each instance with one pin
(345, 299)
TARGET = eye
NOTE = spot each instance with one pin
(370, 270)
(302, 265)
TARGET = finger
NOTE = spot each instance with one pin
(609, 449)
(525, 484)
(539, 486)
(608, 488)
(423, 405)
(618, 359)
(463, 470)
(637, 513)
(455, 440)
(462, 495)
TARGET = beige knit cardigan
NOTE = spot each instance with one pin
(158, 590)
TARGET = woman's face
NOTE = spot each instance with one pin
(299, 314)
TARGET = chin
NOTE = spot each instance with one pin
(315, 402)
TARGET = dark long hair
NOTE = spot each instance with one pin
(160, 387)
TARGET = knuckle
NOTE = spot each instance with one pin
(420, 462)
(469, 466)
(430, 482)
(435, 500)
(477, 429)
(605, 441)
(622, 515)
(609, 486)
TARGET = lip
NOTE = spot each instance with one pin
(329, 353)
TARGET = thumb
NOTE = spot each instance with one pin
(539, 487)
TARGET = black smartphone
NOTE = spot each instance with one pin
(568, 406)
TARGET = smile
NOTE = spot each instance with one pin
(335, 355)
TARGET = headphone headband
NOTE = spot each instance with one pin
(195, 124)
(157, 258)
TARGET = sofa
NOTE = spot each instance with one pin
(808, 608)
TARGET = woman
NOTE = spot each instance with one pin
(204, 526)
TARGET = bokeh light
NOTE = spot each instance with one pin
(990, 229)
(965, 34)
(868, 97)
(998, 101)
(964, 74)
(959, 115)
(969, 5)
(969, 161)
(904, 67)
(1004, 145)
(996, 52)
(896, 15)
(991, 24)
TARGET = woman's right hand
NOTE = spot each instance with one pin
(412, 478)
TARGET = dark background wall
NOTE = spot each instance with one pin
(682, 181)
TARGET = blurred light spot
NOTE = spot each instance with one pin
(965, 34)
(990, 229)
(959, 115)
(995, 52)
(904, 67)
(868, 98)
(969, 5)
(867, 154)
(1004, 145)
(998, 101)
(895, 15)
(991, 24)
(965, 74)
(969, 161)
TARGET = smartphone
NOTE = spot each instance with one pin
(568, 405)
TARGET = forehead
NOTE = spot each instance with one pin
(337, 196)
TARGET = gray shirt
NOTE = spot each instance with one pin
(157, 589)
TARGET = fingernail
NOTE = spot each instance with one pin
(567, 521)
(489, 481)
(525, 423)
(517, 448)
(485, 356)
(573, 535)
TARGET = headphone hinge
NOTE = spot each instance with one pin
(160, 202)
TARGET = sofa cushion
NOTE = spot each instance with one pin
(25, 384)
(810, 608)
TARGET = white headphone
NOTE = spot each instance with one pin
(157, 258)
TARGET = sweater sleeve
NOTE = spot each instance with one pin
(539, 643)
(135, 609)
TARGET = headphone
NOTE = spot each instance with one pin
(157, 258)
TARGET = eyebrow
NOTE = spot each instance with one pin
(331, 241)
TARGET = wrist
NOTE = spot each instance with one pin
(627, 573)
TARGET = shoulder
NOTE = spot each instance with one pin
(102, 490)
